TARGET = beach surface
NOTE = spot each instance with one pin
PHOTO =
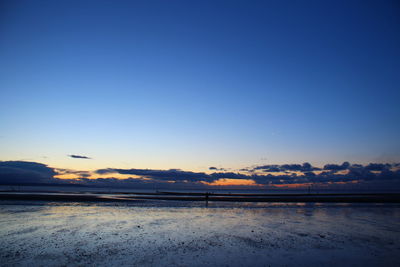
(189, 234)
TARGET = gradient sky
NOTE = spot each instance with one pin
(193, 84)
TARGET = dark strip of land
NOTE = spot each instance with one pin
(263, 194)
(62, 197)
(203, 194)
(331, 198)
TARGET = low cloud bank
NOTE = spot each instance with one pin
(169, 175)
(24, 172)
(289, 174)
(21, 172)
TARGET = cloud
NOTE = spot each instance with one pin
(81, 174)
(78, 157)
(176, 175)
(305, 167)
(373, 172)
(355, 174)
(229, 175)
(361, 176)
(268, 168)
(246, 170)
(216, 169)
(378, 166)
(334, 167)
(19, 172)
(170, 175)
(24, 172)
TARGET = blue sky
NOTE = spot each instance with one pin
(193, 84)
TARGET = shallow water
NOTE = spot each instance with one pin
(189, 234)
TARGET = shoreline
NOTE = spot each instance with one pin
(117, 197)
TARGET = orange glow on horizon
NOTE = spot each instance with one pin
(96, 176)
(291, 185)
(67, 176)
(229, 182)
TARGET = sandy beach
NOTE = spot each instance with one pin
(268, 234)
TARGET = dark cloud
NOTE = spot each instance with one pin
(268, 168)
(23, 172)
(216, 169)
(378, 166)
(305, 167)
(334, 167)
(307, 175)
(18, 172)
(291, 167)
(357, 166)
(81, 174)
(355, 174)
(229, 175)
(176, 175)
(78, 157)
(170, 175)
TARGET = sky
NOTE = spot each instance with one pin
(193, 84)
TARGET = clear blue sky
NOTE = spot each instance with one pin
(193, 84)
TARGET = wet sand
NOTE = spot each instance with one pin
(35, 233)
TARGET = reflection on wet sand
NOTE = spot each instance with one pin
(278, 234)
